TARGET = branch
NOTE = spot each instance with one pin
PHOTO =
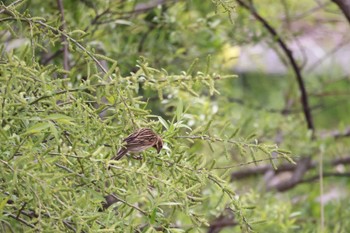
(262, 169)
(46, 58)
(336, 133)
(63, 38)
(21, 220)
(298, 170)
(344, 6)
(69, 226)
(112, 198)
(341, 161)
(293, 63)
(301, 168)
(69, 170)
(221, 222)
(325, 174)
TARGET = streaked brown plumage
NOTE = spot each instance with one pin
(139, 141)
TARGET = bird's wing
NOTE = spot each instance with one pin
(140, 137)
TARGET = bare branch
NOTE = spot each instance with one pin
(112, 198)
(21, 220)
(63, 38)
(298, 170)
(68, 225)
(335, 133)
(301, 168)
(262, 169)
(325, 174)
(344, 6)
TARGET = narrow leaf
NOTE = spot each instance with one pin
(38, 128)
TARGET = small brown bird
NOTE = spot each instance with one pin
(139, 141)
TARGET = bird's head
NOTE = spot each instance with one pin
(159, 144)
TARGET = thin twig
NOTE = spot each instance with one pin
(207, 138)
(57, 93)
(252, 162)
(320, 176)
(68, 225)
(68, 170)
(97, 17)
(20, 210)
(21, 220)
(48, 58)
(128, 204)
(334, 50)
(12, 4)
(7, 164)
(66, 136)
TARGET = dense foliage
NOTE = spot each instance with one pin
(79, 76)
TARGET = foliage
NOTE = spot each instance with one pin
(74, 86)
(59, 129)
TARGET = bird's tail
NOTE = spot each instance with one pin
(120, 154)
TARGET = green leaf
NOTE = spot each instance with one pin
(98, 151)
(251, 136)
(193, 64)
(111, 99)
(153, 216)
(171, 204)
(179, 110)
(54, 130)
(3, 203)
(252, 153)
(60, 118)
(234, 133)
(163, 122)
(210, 146)
(180, 125)
(207, 126)
(150, 230)
(110, 71)
(37, 128)
(123, 22)
(207, 70)
(281, 151)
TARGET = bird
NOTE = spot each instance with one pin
(139, 141)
